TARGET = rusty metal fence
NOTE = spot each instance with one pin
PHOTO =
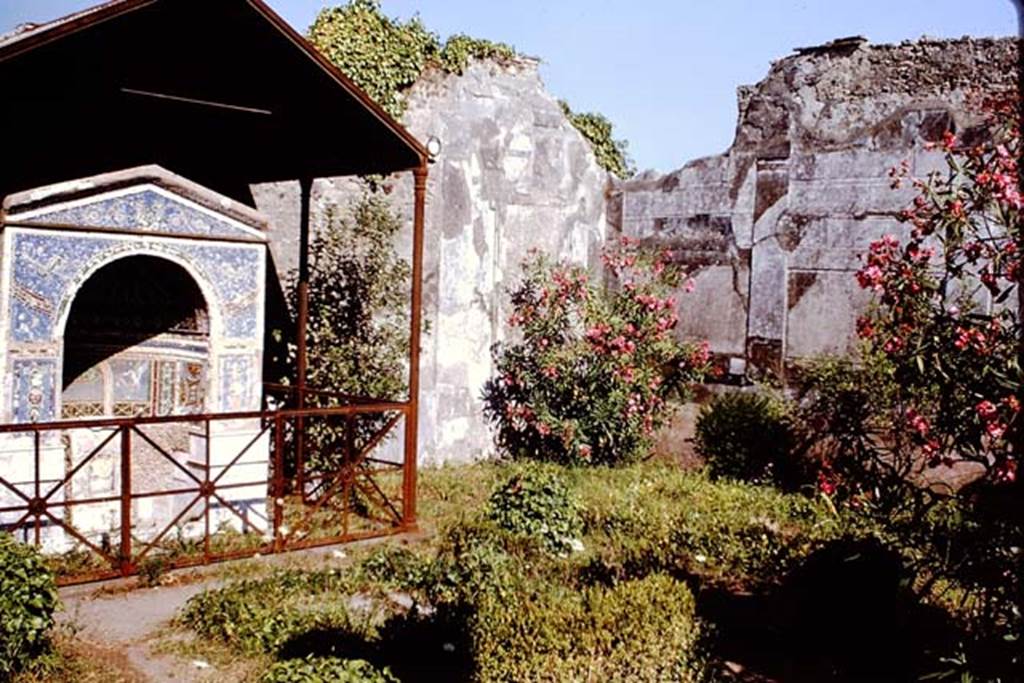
(104, 498)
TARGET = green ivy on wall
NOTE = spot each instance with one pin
(611, 153)
(386, 56)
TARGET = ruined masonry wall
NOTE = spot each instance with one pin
(773, 226)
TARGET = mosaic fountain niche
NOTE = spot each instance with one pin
(134, 294)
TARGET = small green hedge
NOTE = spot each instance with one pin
(535, 502)
(261, 615)
(28, 598)
(326, 670)
(749, 437)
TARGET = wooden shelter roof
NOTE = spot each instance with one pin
(222, 92)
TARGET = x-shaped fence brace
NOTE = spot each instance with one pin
(353, 473)
(356, 471)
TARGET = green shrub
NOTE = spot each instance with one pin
(396, 566)
(358, 332)
(28, 598)
(611, 154)
(474, 558)
(326, 670)
(536, 503)
(852, 412)
(643, 630)
(358, 310)
(588, 379)
(747, 436)
(260, 615)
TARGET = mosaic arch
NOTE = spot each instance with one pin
(55, 239)
(136, 342)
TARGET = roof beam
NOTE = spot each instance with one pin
(197, 101)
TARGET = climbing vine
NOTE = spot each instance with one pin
(386, 56)
(611, 153)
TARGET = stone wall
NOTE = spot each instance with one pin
(513, 175)
(773, 226)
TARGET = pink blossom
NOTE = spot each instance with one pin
(995, 429)
(987, 410)
(825, 484)
(917, 422)
(1006, 471)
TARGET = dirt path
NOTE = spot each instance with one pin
(125, 622)
(129, 622)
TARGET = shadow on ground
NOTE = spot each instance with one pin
(843, 615)
(417, 649)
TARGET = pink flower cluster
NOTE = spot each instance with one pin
(519, 416)
(882, 254)
(1001, 180)
(701, 355)
(989, 414)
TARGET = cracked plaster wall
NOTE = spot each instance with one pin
(773, 226)
(513, 175)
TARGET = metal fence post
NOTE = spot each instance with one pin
(277, 487)
(126, 501)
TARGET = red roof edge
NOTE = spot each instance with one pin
(19, 43)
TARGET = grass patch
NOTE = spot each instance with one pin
(474, 601)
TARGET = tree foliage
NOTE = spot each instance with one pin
(358, 334)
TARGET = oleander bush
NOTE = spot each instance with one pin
(588, 379)
(923, 433)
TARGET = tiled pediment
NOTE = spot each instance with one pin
(144, 200)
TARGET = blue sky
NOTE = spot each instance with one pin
(664, 71)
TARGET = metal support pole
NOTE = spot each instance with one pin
(302, 315)
(415, 327)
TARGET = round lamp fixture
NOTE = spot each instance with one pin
(433, 147)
